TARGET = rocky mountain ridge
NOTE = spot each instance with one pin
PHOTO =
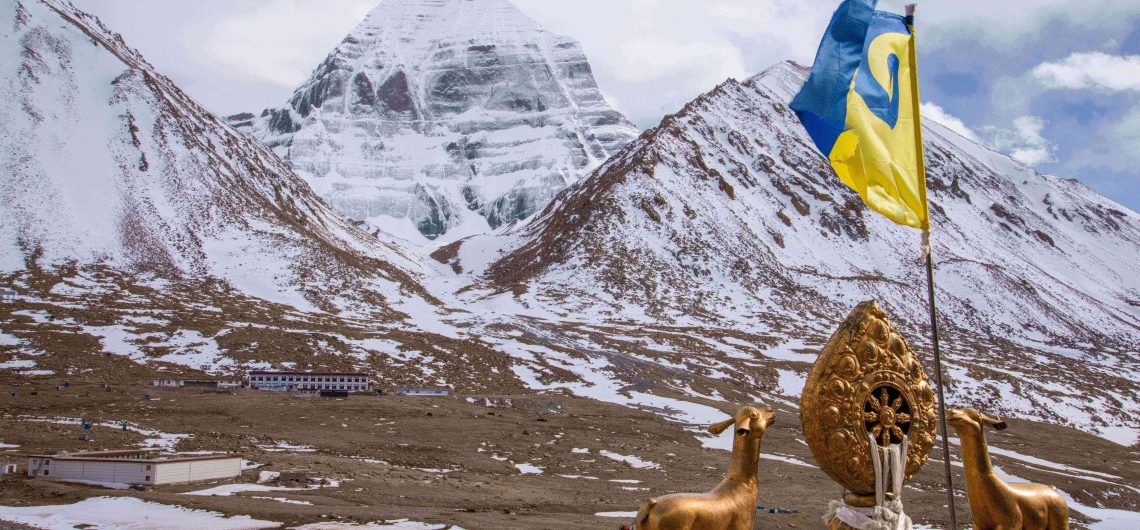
(728, 192)
(726, 217)
(438, 117)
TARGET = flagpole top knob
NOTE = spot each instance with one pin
(910, 9)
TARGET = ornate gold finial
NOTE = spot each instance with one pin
(866, 380)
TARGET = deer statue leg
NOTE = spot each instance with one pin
(1059, 517)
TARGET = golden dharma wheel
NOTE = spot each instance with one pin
(866, 380)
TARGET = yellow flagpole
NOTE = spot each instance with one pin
(927, 251)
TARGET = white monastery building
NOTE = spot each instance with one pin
(195, 383)
(287, 381)
(135, 466)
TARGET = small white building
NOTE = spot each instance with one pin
(288, 381)
(422, 391)
(135, 466)
(7, 296)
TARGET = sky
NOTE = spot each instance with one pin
(1053, 83)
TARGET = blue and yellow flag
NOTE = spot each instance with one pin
(860, 106)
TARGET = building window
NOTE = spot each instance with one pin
(47, 472)
(148, 467)
(148, 478)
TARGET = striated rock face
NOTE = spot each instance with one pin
(444, 117)
(106, 163)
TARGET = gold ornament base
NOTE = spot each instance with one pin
(854, 500)
(860, 501)
(836, 524)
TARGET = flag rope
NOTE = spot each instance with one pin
(928, 253)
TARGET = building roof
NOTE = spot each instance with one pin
(126, 456)
(271, 372)
(192, 380)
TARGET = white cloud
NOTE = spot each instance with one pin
(1024, 142)
(1092, 70)
(1128, 130)
(936, 113)
(653, 58)
(1117, 145)
(280, 41)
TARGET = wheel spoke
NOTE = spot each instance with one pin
(888, 415)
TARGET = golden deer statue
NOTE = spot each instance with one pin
(995, 504)
(732, 504)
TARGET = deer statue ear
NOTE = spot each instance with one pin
(718, 428)
(996, 423)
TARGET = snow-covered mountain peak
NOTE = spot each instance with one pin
(782, 80)
(412, 28)
(442, 117)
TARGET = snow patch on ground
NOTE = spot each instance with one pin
(285, 500)
(127, 513)
(791, 383)
(283, 447)
(228, 490)
(631, 460)
(623, 515)
(395, 524)
(528, 469)
(17, 364)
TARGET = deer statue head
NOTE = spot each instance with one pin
(750, 422)
(972, 421)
